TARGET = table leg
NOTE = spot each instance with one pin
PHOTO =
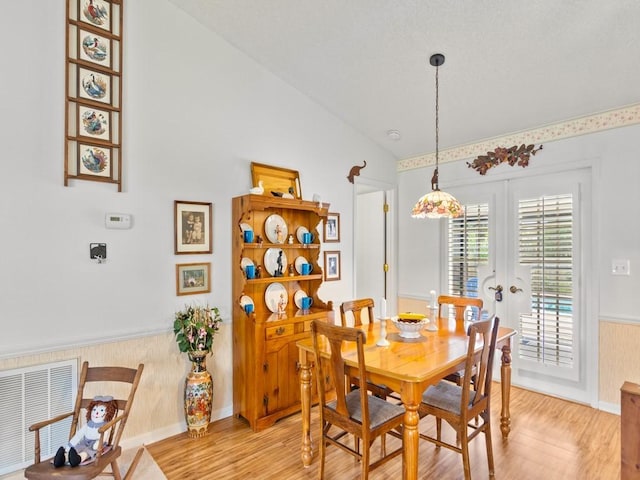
(411, 437)
(305, 400)
(505, 374)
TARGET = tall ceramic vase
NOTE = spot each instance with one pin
(198, 393)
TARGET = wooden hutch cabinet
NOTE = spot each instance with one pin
(266, 384)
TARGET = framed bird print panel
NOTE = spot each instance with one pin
(93, 91)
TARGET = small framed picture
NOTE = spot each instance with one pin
(331, 266)
(94, 85)
(93, 122)
(96, 13)
(193, 227)
(332, 228)
(94, 160)
(94, 48)
(192, 278)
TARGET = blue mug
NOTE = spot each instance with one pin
(248, 236)
(251, 271)
(306, 303)
(306, 268)
(307, 238)
(248, 308)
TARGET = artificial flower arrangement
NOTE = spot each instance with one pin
(195, 327)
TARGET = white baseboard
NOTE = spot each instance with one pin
(609, 407)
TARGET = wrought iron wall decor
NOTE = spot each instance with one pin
(355, 171)
(513, 156)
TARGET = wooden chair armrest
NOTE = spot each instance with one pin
(110, 424)
(36, 428)
(39, 425)
(102, 430)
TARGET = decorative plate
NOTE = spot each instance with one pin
(245, 300)
(245, 262)
(275, 228)
(271, 261)
(245, 226)
(299, 262)
(298, 296)
(300, 231)
(275, 295)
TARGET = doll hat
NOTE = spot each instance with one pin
(103, 398)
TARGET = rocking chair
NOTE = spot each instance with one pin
(110, 434)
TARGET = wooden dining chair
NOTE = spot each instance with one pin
(93, 379)
(460, 304)
(355, 412)
(459, 404)
(356, 309)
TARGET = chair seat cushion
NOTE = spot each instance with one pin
(445, 396)
(380, 411)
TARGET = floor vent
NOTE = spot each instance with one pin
(29, 395)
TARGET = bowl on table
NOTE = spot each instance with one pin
(410, 324)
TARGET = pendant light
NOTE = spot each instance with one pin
(437, 204)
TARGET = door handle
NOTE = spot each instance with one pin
(498, 295)
(514, 289)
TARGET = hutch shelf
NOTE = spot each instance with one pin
(266, 385)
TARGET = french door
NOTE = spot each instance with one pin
(521, 247)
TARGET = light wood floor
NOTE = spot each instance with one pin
(550, 439)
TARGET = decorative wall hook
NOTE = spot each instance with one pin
(513, 155)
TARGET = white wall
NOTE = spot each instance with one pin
(196, 113)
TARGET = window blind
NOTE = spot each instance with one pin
(545, 228)
(468, 248)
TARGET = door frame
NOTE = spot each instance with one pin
(591, 269)
(367, 185)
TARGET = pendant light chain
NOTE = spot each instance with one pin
(437, 114)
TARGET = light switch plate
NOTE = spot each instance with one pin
(620, 266)
(98, 251)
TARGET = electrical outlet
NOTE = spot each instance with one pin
(620, 267)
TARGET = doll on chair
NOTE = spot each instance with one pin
(84, 444)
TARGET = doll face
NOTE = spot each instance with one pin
(98, 412)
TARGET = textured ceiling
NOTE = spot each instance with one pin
(511, 65)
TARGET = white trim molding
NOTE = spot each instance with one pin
(621, 117)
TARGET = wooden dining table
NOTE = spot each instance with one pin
(407, 366)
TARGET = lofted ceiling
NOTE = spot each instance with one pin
(511, 65)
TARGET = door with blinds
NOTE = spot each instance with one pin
(520, 246)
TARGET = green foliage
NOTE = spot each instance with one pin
(195, 327)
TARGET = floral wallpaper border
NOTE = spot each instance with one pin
(593, 123)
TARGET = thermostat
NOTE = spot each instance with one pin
(120, 221)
